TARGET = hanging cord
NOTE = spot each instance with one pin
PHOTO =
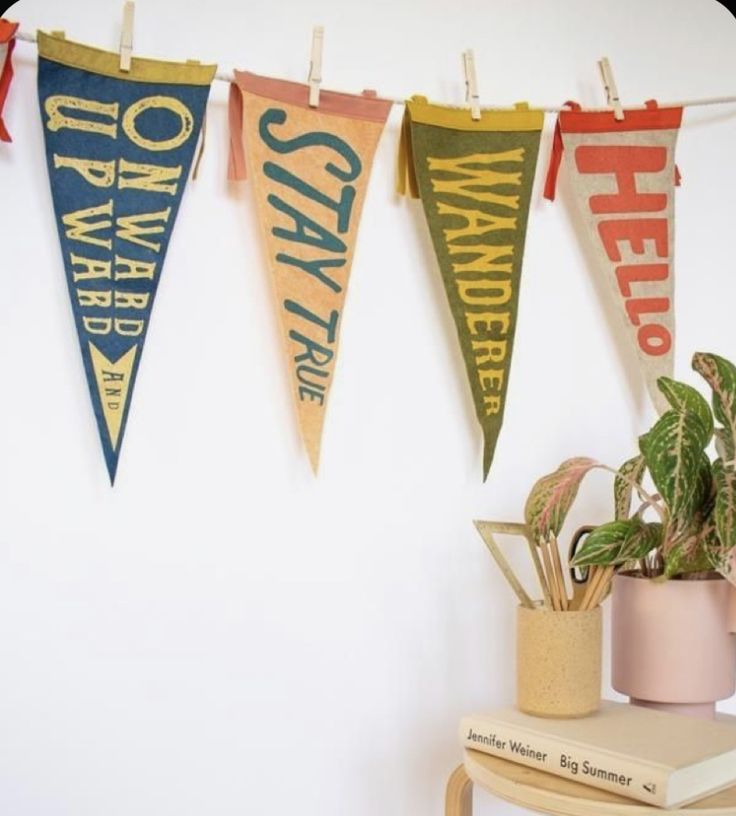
(227, 76)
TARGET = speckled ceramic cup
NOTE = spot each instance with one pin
(558, 662)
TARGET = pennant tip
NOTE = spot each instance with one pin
(313, 454)
(112, 470)
(489, 449)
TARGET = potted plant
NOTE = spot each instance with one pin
(671, 557)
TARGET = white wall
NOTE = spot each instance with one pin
(222, 633)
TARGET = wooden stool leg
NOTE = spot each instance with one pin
(459, 796)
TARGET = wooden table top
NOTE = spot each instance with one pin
(556, 796)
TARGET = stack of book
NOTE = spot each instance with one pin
(662, 759)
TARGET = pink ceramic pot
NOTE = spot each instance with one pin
(732, 609)
(671, 645)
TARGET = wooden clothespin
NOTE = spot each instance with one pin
(611, 90)
(126, 36)
(471, 84)
(315, 66)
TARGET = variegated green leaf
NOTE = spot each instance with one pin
(681, 562)
(673, 452)
(707, 488)
(552, 496)
(696, 549)
(725, 445)
(684, 397)
(720, 375)
(630, 473)
(717, 555)
(688, 523)
(641, 540)
(725, 509)
(603, 546)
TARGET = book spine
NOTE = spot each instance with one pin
(606, 771)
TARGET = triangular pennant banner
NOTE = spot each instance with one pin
(7, 43)
(475, 180)
(310, 169)
(622, 175)
(119, 147)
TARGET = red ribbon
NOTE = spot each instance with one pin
(550, 186)
(7, 35)
(236, 169)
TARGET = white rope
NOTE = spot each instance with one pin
(227, 76)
